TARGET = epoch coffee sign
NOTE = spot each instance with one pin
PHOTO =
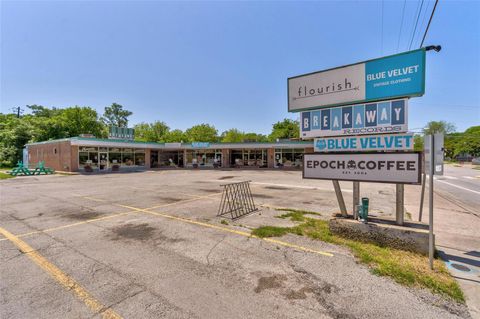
(396, 76)
(403, 168)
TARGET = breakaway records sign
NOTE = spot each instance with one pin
(371, 118)
(402, 168)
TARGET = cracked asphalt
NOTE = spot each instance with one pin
(140, 244)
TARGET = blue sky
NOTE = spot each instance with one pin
(225, 63)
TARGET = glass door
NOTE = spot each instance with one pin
(103, 161)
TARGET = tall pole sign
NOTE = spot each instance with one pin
(358, 116)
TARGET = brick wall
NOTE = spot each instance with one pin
(57, 155)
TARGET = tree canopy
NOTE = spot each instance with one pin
(48, 123)
(202, 133)
(151, 132)
(115, 115)
(285, 129)
(439, 127)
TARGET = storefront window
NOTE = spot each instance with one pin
(236, 158)
(289, 157)
(298, 157)
(204, 158)
(114, 156)
(139, 157)
(88, 156)
(127, 157)
(82, 159)
(255, 158)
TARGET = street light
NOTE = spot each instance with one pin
(436, 48)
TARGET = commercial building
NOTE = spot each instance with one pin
(92, 154)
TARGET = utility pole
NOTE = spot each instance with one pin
(17, 110)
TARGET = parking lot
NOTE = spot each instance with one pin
(149, 245)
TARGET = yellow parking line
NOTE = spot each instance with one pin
(182, 201)
(237, 232)
(62, 278)
(109, 216)
(72, 225)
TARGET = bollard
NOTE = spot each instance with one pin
(365, 209)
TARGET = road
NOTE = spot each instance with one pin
(460, 185)
(456, 225)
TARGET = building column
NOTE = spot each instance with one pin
(148, 163)
(225, 158)
(74, 159)
(271, 158)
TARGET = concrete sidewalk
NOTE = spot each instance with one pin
(457, 240)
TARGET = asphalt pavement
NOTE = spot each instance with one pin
(149, 245)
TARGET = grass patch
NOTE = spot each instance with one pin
(224, 222)
(5, 176)
(295, 215)
(270, 231)
(407, 268)
(409, 215)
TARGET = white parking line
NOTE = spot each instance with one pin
(468, 177)
(300, 186)
(449, 177)
(460, 187)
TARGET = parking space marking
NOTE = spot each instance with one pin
(62, 278)
(94, 199)
(233, 231)
(301, 187)
(72, 225)
(182, 201)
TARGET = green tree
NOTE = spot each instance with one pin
(14, 134)
(151, 132)
(469, 142)
(202, 133)
(232, 136)
(115, 115)
(439, 127)
(42, 111)
(254, 137)
(174, 136)
(285, 129)
(418, 143)
(78, 120)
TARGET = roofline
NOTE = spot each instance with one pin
(155, 145)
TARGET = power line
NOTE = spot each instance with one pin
(429, 21)
(416, 24)
(383, 2)
(424, 16)
(401, 24)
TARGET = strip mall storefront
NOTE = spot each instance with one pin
(97, 155)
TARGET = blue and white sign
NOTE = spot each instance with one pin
(391, 77)
(361, 119)
(200, 144)
(383, 142)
